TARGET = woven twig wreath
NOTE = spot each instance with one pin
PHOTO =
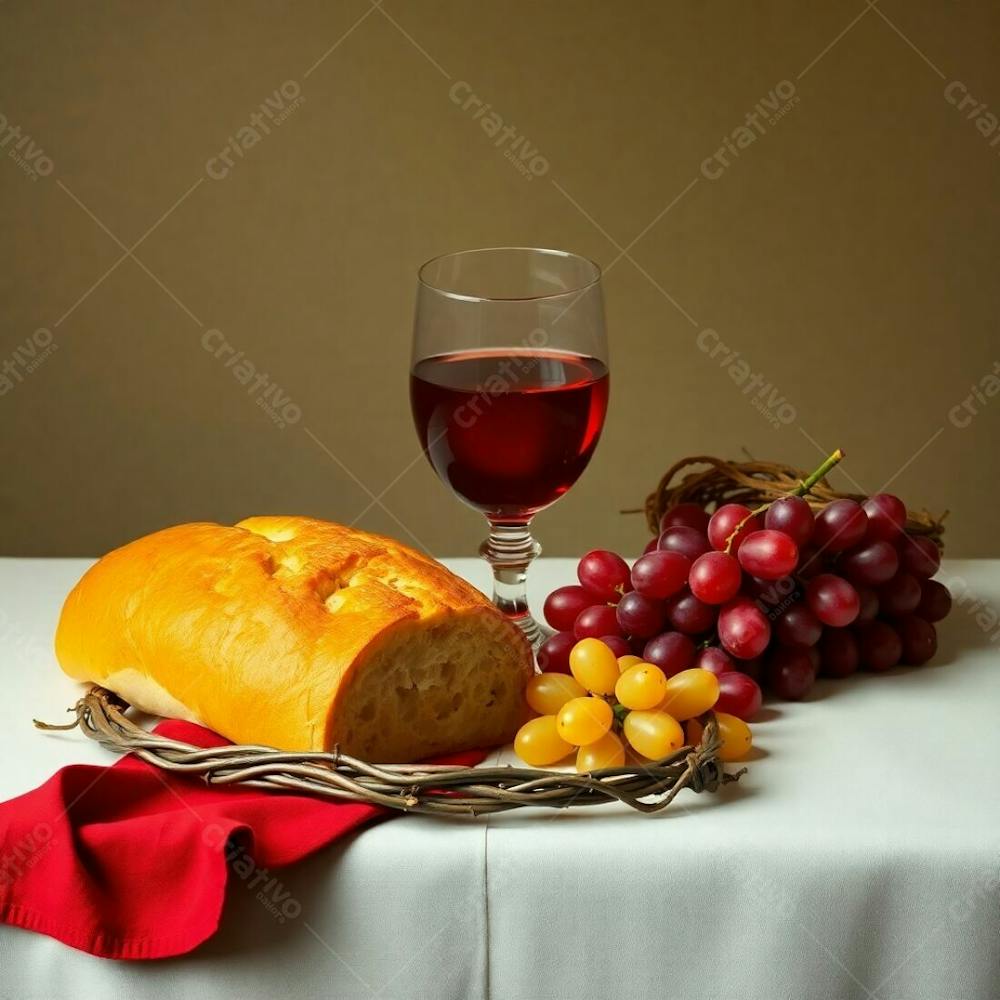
(753, 483)
(438, 790)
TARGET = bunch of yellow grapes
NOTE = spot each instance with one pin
(608, 701)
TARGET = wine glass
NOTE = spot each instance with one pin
(509, 388)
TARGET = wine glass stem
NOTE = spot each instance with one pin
(509, 549)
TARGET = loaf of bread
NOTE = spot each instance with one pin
(298, 634)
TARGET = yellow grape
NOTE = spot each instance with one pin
(538, 742)
(690, 693)
(737, 739)
(641, 686)
(605, 752)
(692, 732)
(547, 693)
(594, 665)
(654, 734)
(624, 662)
(584, 720)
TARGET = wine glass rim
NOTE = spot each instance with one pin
(577, 288)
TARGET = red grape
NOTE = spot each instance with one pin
(798, 626)
(723, 522)
(689, 615)
(672, 652)
(832, 600)
(768, 555)
(879, 645)
(872, 563)
(553, 654)
(886, 517)
(793, 516)
(564, 604)
(900, 595)
(811, 563)
(639, 615)
(604, 574)
(868, 609)
(715, 577)
(617, 645)
(790, 672)
(935, 601)
(687, 515)
(840, 525)
(596, 621)
(919, 556)
(769, 593)
(743, 628)
(660, 574)
(838, 651)
(919, 639)
(713, 659)
(752, 668)
(651, 545)
(686, 541)
(739, 695)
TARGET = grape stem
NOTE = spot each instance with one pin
(800, 491)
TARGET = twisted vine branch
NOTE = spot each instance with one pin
(436, 790)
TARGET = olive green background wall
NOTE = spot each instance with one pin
(848, 251)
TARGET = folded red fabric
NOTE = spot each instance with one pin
(130, 861)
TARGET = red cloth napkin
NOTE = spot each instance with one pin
(130, 861)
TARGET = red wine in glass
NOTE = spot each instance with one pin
(509, 431)
(509, 387)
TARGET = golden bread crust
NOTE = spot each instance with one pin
(259, 631)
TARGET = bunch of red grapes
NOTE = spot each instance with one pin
(779, 594)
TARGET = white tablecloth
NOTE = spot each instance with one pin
(859, 858)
